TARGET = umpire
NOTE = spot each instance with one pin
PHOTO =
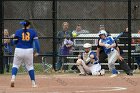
(102, 58)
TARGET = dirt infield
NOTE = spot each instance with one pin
(72, 83)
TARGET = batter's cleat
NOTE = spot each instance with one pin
(12, 83)
(118, 73)
(34, 85)
(130, 74)
(113, 75)
(102, 72)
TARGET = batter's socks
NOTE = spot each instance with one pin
(14, 73)
(32, 74)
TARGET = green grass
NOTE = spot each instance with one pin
(22, 70)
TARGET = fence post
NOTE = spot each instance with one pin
(1, 30)
(54, 13)
(129, 31)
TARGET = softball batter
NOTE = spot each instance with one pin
(108, 44)
(24, 39)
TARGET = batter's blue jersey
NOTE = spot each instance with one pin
(25, 39)
(108, 40)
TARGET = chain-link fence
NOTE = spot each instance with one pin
(48, 18)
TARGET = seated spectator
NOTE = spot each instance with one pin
(79, 31)
(88, 63)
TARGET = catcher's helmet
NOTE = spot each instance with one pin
(87, 45)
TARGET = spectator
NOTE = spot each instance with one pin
(79, 31)
(61, 37)
(88, 63)
(137, 49)
(7, 50)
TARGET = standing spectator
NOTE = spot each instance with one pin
(7, 50)
(137, 49)
(61, 37)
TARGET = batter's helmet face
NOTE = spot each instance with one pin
(102, 32)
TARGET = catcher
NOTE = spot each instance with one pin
(88, 63)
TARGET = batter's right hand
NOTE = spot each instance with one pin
(107, 45)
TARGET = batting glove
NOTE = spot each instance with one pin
(107, 45)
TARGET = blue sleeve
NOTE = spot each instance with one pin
(35, 35)
(14, 42)
(37, 45)
(93, 53)
(11, 42)
(111, 40)
(16, 37)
